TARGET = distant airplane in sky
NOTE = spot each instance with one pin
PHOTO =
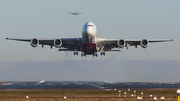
(75, 13)
(89, 44)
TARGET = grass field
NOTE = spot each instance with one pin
(84, 95)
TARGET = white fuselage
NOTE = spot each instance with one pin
(89, 32)
(89, 35)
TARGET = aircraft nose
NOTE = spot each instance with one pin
(90, 31)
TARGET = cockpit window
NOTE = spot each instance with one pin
(90, 25)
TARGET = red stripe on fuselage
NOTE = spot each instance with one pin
(89, 48)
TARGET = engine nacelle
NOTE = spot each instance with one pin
(34, 42)
(57, 43)
(121, 43)
(144, 43)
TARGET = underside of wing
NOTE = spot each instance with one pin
(109, 44)
(69, 43)
(72, 44)
(27, 40)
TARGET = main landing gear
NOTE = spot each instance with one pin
(75, 53)
(95, 54)
(102, 53)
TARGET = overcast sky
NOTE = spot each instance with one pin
(139, 19)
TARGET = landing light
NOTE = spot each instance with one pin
(162, 98)
(178, 91)
(64, 97)
(155, 98)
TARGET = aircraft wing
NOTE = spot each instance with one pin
(109, 44)
(79, 13)
(138, 42)
(69, 43)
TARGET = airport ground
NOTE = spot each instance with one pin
(86, 90)
(84, 95)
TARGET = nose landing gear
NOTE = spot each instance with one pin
(83, 55)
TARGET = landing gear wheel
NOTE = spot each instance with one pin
(82, 54)
(75, 53)
(102, 53)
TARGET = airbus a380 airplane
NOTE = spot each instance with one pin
(89, 44)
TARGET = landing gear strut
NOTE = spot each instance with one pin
(102, 53)
(83, 55)
(75, 53)
(95, 55)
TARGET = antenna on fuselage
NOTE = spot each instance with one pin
(89, 20)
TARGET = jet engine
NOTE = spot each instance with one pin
(121, 43)
(144, 43)
(34, 42)
(57, 43)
